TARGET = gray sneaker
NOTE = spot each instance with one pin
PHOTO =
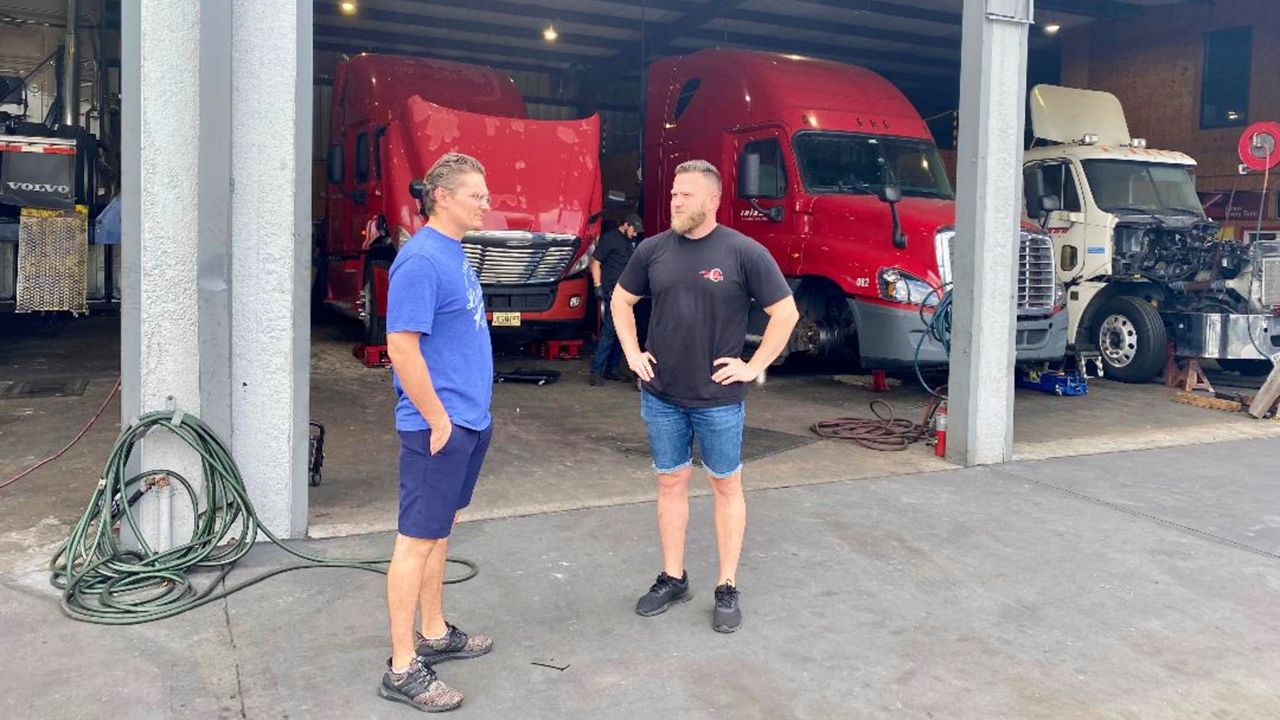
(420, 688)
(665, 590)
(727, 616)
(455, 645)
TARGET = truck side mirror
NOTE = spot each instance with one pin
(891, 194)
(418, 190)
(1033, 190)
(749, 176)
(334, 164)
(749, 186)
(1049, 203)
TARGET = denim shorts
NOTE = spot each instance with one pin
(672, 429)
(433, 488)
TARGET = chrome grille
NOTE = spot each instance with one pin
(1269, 254)
(513, 257)
(1035, 273)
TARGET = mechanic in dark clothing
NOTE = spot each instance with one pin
(702, 277)
(612, 253)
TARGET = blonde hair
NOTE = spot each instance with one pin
(444, 174)
(701, 166)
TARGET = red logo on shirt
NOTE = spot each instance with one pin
(714, 275)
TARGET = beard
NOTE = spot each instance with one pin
(682, 224)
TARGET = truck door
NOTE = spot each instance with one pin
(348, 208)
(1066, 225)
(777, 190)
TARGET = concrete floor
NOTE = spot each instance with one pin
(1135, 585)
(561, 447)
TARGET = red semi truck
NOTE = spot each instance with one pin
(391, 117)
(832, 169)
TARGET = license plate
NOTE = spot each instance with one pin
(506, 319)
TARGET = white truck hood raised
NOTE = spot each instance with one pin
(1065, 115)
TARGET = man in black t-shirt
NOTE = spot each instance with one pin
(702, 278)
(612, 252)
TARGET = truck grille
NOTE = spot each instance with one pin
(1269, 255)
(1035, 274)
(515, 257)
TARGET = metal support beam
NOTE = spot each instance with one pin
(993, 93)
(503, 63)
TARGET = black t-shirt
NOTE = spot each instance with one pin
(612, 252)
(702, 291)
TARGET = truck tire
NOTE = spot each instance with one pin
(1131, 337)
(375, 321)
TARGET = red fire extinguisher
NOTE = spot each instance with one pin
(940, 430)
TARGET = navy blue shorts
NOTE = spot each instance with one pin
(433, 488)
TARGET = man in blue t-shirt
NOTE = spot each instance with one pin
(438, 342)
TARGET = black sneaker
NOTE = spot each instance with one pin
(595, 379)
(455, 645)
(419, 688)
(727, 616)
(665, 590)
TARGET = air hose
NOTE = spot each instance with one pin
(106, 584)
(938, 327)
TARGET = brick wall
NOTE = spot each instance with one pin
(1153, 65)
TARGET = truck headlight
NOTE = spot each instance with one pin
(1059, 296)
(581, 263)
(903, 287)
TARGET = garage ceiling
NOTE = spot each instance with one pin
(912, 42)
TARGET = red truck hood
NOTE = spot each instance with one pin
(864, 222)
(543, 175)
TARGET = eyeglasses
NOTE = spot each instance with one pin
(479, 198)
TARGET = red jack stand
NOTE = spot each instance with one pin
(879, 381)
(1190, 377)
(372, 355)
(558, 349)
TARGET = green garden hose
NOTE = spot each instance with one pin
(103, 583)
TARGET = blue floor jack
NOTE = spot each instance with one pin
(1054, 382)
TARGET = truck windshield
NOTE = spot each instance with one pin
(1120, 186)
(848, 163)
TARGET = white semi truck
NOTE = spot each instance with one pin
(1142, 264)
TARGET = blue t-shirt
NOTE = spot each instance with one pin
(435, 292)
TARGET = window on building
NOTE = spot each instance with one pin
(773, 173)
(1224, 82)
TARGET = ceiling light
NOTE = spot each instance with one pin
(549, 33)
(347, 7)
(1052, 28)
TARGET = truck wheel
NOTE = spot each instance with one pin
(1247, 367)
(1131, 337)
(375, 321)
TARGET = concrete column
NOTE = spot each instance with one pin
(993, 91)
(215, 300)
(271, 126)
(160, 343)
